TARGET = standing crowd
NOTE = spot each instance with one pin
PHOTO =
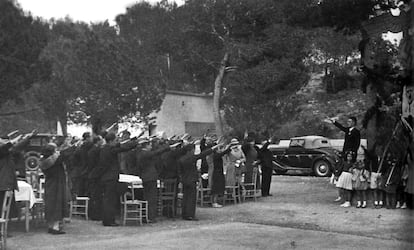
(91, 167)
(389, 178)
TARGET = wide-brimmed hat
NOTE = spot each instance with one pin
(234, 142)
(4, 141)
(144, 141)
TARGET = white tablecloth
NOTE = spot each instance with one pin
(25, 193)
(130, 179)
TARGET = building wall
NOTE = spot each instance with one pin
(184, 113)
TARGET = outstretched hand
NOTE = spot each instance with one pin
(175, 145)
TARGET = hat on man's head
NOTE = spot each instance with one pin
(144, 141)
(86, 135)
(234, 142)
(3, 141)
(51, 146)
(49, 149)
(110, 137)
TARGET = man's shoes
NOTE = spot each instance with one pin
(338, 199)
(111, 225)
(346, 204)
(55, 232)
(216, 205)
(190, 218)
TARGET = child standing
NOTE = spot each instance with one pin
(360, 177)
(345, 180)
(391, 177)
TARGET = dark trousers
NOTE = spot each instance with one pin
(110, 200)
(151, 195)
(189, 199)
(266, 180)
(95, 199)
(80, 186)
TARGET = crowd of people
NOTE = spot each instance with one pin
(91, 167)
(390, 180)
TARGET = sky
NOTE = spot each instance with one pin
(79, 10)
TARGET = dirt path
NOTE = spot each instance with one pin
(301, 214)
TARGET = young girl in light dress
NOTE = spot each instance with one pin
(360, 177)
(345, 180)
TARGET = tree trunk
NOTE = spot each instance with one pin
(97, 125)
(371, 130)
(218, 83)
(63, 124)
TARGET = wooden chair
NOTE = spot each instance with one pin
(232, 193)
(179, 198)
(133, 209)
(79, 206)
(249, 190)
(8, 196)
(38, 209)
(203, 194)
(168, 196)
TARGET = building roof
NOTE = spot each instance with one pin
(175, 92)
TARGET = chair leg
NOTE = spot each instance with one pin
(70, 210)
(86, 209)
(3, 236)
(140, 213)
(125, 214)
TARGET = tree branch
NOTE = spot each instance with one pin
(19, 112)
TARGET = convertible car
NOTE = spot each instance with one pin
(313, 153)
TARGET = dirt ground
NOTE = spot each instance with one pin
(301, 214)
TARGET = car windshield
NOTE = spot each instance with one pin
(297, 143)
(320, 143)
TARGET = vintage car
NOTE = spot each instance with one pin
(313, 153)
(35, 146)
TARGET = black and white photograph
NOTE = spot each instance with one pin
(206, 124)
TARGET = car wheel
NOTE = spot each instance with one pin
(321, 168)
(32, 162)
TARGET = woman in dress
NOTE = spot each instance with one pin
(233, 163)
(218, 182)
(250, 152)
(52, 165)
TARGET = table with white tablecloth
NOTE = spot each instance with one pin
(127, 178)
(25, 194)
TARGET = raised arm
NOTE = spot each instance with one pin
(340, 126)
(48, 162)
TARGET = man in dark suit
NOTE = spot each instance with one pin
(147, 160)
(189, 178)
(352, 136)
(108, 172)
(265, 157)
(94, 185)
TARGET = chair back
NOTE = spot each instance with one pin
(254, 176)
(40, 192)
(130, 194)
(8, 196)
(168, 188)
